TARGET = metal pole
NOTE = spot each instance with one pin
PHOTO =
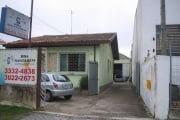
(32, 1)
(170, 83)
(38, 87)
(163, 42)
(170, 69)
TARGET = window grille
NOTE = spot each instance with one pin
(72, 62)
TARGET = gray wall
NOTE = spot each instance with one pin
(18, 95)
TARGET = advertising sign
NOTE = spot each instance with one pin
(14, 23)
(18, 66)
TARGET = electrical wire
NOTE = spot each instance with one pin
(35, 17)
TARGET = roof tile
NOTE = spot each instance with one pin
(75, 39)
(68, 40)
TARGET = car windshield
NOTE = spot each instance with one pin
(60, 78)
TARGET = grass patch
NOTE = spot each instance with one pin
(12, 112)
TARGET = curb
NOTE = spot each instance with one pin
(90, 116)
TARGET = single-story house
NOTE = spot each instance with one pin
(74, 54)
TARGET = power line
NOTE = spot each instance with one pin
(48, 25)
(39, 19)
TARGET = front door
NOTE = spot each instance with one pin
(93, 78)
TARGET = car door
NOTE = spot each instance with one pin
(45, 82)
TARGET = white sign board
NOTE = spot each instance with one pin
(18, 66)
(14, 23)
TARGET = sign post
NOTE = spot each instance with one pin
(30, 31)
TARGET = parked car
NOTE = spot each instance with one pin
(119, 78)
(56, 85)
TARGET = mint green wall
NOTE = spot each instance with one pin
(105, 64)
(103, 57)
(74, 76)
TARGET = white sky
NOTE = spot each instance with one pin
(53, 17)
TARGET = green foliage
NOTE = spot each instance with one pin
(12, 112)
(84, 83)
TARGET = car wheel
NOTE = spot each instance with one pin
(48, 96)
(67, 97)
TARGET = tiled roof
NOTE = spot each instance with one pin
(68, 40)
(122, 56)
(64, 40)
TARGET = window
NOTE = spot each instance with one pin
(72, 62)
(44, 78)
(60, 78)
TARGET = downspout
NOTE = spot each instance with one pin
(98, 70)
(94, 53)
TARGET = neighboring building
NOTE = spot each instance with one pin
(152, 70)
(74, 54)
(1, 44)
(122, 68)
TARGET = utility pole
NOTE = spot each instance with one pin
(30, 31)
(163, 40)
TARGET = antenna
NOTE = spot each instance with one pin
(71, 20)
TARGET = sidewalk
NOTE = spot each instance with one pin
(119, 102)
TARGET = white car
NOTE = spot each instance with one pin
(56, 85)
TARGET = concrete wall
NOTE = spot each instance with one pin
(18, 95)
(162, 91)
(154, 68)
(137, 38)
(148, 72)
(146, 18)
(105, 65)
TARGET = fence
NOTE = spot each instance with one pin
(174, 52)
(171, 46)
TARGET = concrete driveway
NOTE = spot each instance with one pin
(119, 100)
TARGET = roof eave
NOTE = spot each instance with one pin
(115, 49)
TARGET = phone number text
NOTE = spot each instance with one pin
(17, 71)
(19, 78)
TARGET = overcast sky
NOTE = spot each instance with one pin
(53, 17)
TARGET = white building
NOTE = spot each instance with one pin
(151, 69)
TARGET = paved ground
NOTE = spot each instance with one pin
(117, 102)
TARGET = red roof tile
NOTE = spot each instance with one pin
(63, 40)
(68, 40)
